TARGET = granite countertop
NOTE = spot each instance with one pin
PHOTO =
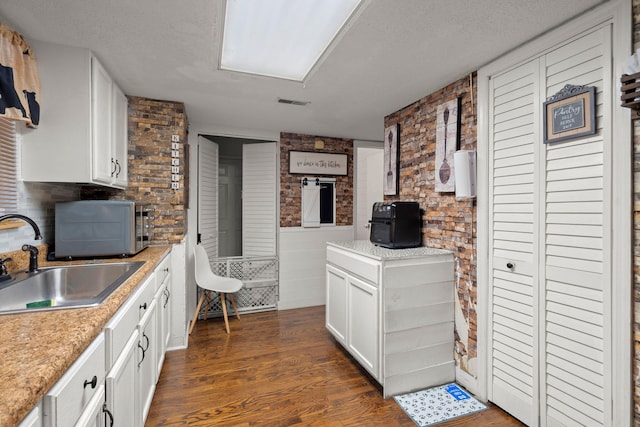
(37, 348)
(368, 249)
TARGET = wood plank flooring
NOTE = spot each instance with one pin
(279, 368)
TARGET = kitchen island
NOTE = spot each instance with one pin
(393, 311)
(39, 347)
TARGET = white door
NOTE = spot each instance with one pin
(369, 159)
(259, 199)
(550, 358)
(208, 195)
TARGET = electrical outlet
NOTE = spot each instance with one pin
(175, 138)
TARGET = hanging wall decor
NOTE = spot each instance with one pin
(569, 114)
(391, 147)
(316, 163)
(447, 119)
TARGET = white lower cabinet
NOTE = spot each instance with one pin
(68, 400)
(393, 310)
(122, 384)
(112, 383)
(146, 361)
(363, 316)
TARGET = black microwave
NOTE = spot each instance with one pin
(396, 225)
(97, 228)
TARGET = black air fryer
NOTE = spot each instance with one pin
(396, 225)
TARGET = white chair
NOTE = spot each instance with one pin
(208, 281)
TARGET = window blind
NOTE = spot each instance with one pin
(8, 163)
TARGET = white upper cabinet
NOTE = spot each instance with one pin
(82, 136)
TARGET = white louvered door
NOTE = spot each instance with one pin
(513, 331)
(550, 216)
(208, 195)
(259, 199)
(577, 315)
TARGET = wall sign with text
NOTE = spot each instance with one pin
(315, 163)
(570, 113)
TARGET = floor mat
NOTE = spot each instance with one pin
(438, 404)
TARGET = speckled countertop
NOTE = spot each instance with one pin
(368, 249)
(37, 348)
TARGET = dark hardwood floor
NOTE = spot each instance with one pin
(279, 368)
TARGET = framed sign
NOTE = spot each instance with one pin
(391, 146)
(314, 163)
(570, 114)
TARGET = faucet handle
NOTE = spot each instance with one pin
(4, 274)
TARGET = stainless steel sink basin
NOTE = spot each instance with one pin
(74, 286)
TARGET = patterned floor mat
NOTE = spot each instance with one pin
(438, 404)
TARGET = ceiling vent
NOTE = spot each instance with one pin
(292, 102)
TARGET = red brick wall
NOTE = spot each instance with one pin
(447, 223)
(290, 190)
(151, 125)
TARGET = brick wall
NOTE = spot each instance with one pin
(151, 125)
(447, 223)
(290, 190)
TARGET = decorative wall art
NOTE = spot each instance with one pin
(447, 119)
(391, 146)
(314, 163)
(570, 113)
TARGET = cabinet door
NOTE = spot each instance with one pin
(119, 145)
(336, 305)
(121, 385)
(67, 400)
(147, 359)
(363, 324)
(101, 127)
(93, 415)
(162, 324)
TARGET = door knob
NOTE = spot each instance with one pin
(510, 265)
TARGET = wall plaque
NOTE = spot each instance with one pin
(310, 162)
(570, 113)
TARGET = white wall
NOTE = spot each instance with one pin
(302, 264)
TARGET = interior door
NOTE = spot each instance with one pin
(208, 195)
(230, 214)
(259, 199)
(369, 158)
(550, 247)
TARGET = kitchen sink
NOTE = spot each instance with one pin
(73, 286)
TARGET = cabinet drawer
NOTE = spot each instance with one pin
(67, 399)
(358, 265)
(119, 329)
(144, 295)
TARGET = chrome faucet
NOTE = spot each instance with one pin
(33, 251)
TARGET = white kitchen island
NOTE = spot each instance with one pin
(393, 311)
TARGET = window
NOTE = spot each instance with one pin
(318, 202)
(8, 172)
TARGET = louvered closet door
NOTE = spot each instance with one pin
(550, 315)
(259, 199)
(576, 347)
(208, 195)
(512, 330)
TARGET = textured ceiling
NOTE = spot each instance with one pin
(393, 54)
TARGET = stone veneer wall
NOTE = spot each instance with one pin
(636, 237)
(290, 190)
(151, 125)
(447, 223)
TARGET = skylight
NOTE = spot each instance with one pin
(280, 38)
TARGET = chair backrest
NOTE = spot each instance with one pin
(202, 266)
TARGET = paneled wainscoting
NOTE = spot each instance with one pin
(278, 368)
